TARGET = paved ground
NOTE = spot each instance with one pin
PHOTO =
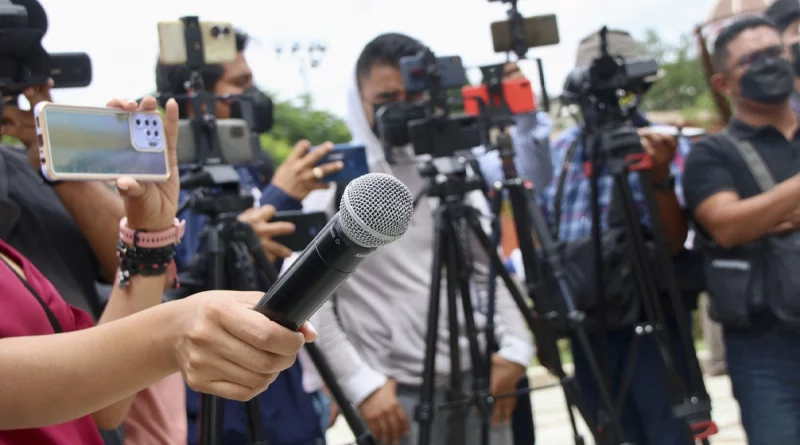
(552, 423)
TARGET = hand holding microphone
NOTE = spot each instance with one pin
(375, 210)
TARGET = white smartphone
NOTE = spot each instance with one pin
(671, 130)
(234, 140)
(99, 144)
(218, 38)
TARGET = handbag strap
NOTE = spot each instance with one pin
(50, 315)
(562, 180)
(754, 161)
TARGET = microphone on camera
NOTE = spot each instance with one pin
(375, 210)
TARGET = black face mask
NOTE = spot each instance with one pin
(261, 119)
(795, 49)
(769, 80)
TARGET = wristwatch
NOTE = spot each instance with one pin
(151, 240)
(667, 185)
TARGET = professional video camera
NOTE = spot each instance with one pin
(610, 87)
(23, 60)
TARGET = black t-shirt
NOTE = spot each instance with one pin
(714, 165)
(33, 221)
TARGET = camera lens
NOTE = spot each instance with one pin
(146, 122)
(156, 133)
(226, 32)
(138, 122)
(215, 31)
(148, 132)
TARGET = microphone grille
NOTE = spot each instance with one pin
(375, 210)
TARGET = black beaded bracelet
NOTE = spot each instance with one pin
(142, 261)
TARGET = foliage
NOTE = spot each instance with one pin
(296, 120)
(684, 85)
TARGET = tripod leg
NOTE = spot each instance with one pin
(211, 406)
(480, 378)
(425, 409)
(455, 394)
(605, 397)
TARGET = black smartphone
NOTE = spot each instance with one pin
(307, 226)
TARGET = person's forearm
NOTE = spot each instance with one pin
(51, 379)
(97, 211)
(143, 293)
(673, 219)
(749, 219)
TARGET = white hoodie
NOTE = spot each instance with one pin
(376, 328)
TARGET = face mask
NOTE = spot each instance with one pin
(769, 80)
(796, 57)
(261, 105)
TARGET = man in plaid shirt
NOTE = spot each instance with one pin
(646, 417)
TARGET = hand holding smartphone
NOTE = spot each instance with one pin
(354, 158)
(99, 144)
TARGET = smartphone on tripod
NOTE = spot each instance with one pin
(99, 144)
(234, 141)
(218, 39)
(307, 226)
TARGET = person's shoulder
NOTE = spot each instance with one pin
(708, 147)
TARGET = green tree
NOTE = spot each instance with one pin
(296, 120)
(684, 84)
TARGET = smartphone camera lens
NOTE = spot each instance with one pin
(215, 32)
(138, 122)
(156, 133)
(148, 132)
(226, 32)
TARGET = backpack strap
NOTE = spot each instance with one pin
(562, 180)
(754, 161)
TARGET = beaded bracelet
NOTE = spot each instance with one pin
(143, 261)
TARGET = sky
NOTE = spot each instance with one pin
(121, 37)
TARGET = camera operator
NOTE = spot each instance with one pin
(59, 388)
(287, 411)
(377, 350)
(744, 226)
(785, 14)
(647, 416)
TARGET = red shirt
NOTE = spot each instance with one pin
(22, 315)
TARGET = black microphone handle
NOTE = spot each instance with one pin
(313, 277)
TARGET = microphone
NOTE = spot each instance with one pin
(375, 210)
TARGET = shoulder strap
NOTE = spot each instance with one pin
(50, 315)
(755, 163)
(562, 179)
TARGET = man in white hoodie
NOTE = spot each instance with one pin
(373, 332)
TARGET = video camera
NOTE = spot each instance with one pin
(23, 60)
(608, 82)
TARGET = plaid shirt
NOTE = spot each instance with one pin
(576, 208)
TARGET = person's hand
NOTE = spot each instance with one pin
(504, 379)
(19, 123)
(661, 148)
(152, 206)
(384, 414)
(225, 348)
(790, 223)
(299, 175)
(512, 71)
(258, 218)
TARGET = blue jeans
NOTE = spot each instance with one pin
(765, 376)
(646, 417)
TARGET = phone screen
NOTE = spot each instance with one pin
(101, 142)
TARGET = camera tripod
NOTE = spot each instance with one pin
(617, 147)
(450, 252)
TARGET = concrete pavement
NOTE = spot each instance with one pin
(552, 421)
